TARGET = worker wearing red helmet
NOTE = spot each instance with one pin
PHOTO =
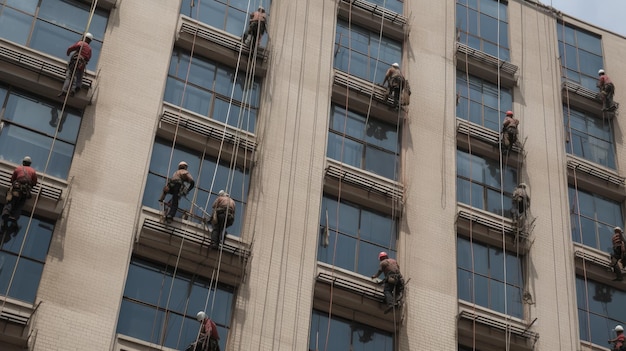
(509, 130)
(393, 279)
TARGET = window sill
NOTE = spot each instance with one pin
(595, 178)
(208, 132)
(155, 238)
(364, 187)
(588, 346)
(40, 73)
(218, 45)
(127, 343)
(583, 98)
(487, 141)
(595, 265)
(368, 15)
(15, 322)
(482, 65)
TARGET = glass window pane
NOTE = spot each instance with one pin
(589, 42)
(26, 279)
(15, 26)
(25, 5)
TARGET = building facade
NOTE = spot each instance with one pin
(324, 171)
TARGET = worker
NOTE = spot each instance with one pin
(223, 217)
(394, 283)
(521, 201)
(395, 83)
(509, 131)
(618, 252)
(607, 90)
(618, 341)
(177, 188)
(76, 66)
(256, 27)
(24, 178)
(208, 340)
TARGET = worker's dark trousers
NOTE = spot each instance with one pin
(223, 221)
(510, 137)
(617, 256)
(69, 84)
(175, 191)
(389, 290)
(13, 209)
(607, 96)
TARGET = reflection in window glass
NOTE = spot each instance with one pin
(351, 236)
(363, 53)
(363, 142)
(55, 25)
(589, 137)
(149, 314)
(600, 309)
(236, 182)
(483, 25)
(478, 101)
(478, 183)
(208, 91)
(31, 262)
(29, 127)
(581, 55)
(593, 218)
(483, 275)
(344, 335)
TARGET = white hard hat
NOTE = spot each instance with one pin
(396, 65)
(89, 36)
(522, 185)
(201, 316)
(221, 192)
(27, 159)
(619, 328)
(182, 164)
(261, 8)
(617, 229)
(600, 72)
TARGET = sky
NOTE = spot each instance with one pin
(607, 14)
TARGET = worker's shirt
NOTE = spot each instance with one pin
(519, 194)
(388, 266)
(24, 175)
(182, 174)
(604, 80)
(225, 202)
(510, 122)
(393, 72)
(209, 328)
(616, 239)
(257, 16)
(85, 52)
(619, 341)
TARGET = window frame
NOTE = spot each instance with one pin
(602, 237)
(465, 36)
(501, 107)
(585, 137)
(586, 78)
(584, 287)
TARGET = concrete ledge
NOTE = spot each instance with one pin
(595, 178)
(371, 15)
(485, 66)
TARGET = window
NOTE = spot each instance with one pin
(581, 55)
(146, 314)
(600, 309)
(202, 169)
(346, 335)
(589, 137)
(355, 236)
(228, 15)
(363, 53)
(593, 219)
(51, 26)
(208, 91)
(483, 25)
(483, 281)
(478, 183)
(30, 265)
(28, 125)
(478, 101)
(363, 142)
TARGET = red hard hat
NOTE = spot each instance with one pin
(382, 254)
(509, 113)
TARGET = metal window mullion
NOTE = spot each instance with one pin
(11, 122)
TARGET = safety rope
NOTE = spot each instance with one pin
(44, 175)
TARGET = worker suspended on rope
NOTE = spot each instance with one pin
(607, 90)
(209, 337)
(76, 66)
(394, 282)
(618, 341)
(222, 217)
(396, 85)
(256, 27)
(177, 188)
(24, 178)
(509, 131)
(619, 249)
(521, 201)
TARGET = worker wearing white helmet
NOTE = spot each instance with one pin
(81, 54)
(607, 90)
(618, 341)
(208, 340)
(23, 179)
(395, 83)
(223, 217)
(178, 185)
(256, 27)
(521, 201)
(619, 249)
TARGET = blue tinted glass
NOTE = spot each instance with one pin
(589, 42)
(139, 321)
(25, 5)
(346, 335)
(14, 25)
(380, 162)
(344, 150)
(26, 280)
(37, 241)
